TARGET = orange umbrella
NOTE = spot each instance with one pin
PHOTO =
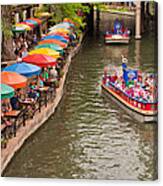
(53, 41)
(13, 79)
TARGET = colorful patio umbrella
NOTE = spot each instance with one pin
(67, 23)
(13, 79)
(39, 21)
(57, 37)
(32, 22)
(62, 30)
(53, 41)
(60, 34)
(51, 46)
(67, 20)
(28, 24)
(24, 69)
(6, 91)
(61, 25)
(24, 25)
(46, 51)
(18, 29)
(40, 60)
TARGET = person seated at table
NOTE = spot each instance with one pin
(33, 94)
(6, 130)
(53, 73)
(5, 121)
(40, 83)
(6, 106)
(15, 101)
(44, 75)
(58, 69)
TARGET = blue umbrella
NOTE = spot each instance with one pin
(62, 25)
(57, 37)
(24, 69)
(67, 23)
(31, 21)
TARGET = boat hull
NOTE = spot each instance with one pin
(118, 39)
(139, 116)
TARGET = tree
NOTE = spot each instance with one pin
(68, 10)
(7, 52)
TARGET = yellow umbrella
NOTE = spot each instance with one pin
(46, 51)
(63, 30)
(23, 26)
(44, 14)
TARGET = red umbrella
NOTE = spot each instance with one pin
(13, 79)
(40, 60)
(51, 41)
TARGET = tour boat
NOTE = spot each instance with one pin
(140, 110)
(119, 34)
(111, 38)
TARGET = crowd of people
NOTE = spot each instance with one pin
(22, 43)
(143, 88)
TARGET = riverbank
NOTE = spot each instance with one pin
(39, 119)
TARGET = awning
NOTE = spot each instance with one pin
(32, 22)
(46, 51)
(57, 37)
(51, 46)
(40, 60)
(13, 79)
(24, 69)
(6, 91)
(53, 41)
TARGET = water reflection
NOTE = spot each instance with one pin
(138, 54)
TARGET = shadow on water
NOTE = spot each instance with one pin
(90, 137)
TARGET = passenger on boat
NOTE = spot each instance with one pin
(123, 26)
(113, 78)
(117, 27)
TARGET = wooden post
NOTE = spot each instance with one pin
(138, 20)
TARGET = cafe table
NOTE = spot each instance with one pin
(14, 114)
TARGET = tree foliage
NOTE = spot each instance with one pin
(69, 10)
(7, 52)
(6, 23)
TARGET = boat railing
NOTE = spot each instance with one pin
(133, 101)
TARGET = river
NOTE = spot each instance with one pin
(89, 136)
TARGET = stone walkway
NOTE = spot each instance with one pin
(39, 119)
